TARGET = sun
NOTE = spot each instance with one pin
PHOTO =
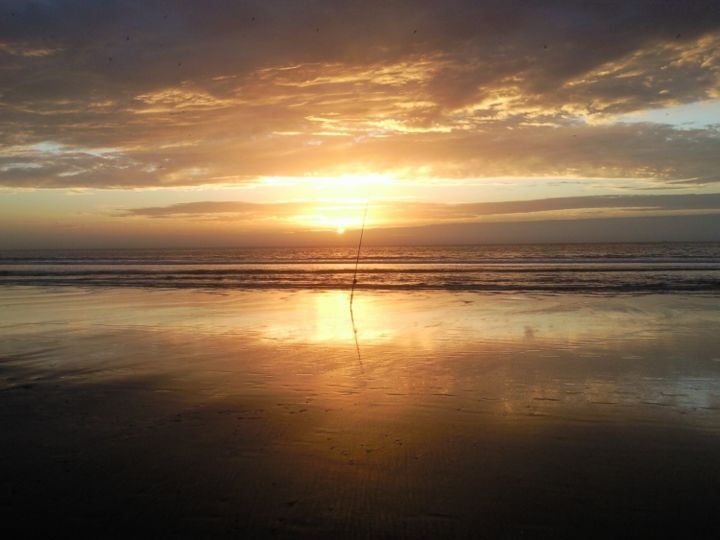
(338, 216)
(334, 203)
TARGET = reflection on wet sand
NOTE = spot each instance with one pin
(504, 415)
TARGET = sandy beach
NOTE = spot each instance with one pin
(187, 413)
(360, 270)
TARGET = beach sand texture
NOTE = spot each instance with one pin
(179, 413)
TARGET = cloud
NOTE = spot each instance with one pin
(683, 228)
(205, 208)
(384, 213)
(216, 92)
(19, 49)
(124, 233)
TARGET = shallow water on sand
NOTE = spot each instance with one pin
(427, 414)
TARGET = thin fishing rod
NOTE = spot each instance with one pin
(355, 335)
(357, 259)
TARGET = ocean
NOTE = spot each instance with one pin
(585, 268)
(555, 391)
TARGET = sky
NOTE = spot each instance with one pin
(207, 123)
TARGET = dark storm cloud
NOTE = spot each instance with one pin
(187, 93)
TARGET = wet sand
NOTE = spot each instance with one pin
(259, 414)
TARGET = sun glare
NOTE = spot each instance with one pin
(344, 186)
(341, 203)
(332, 217)
(335, 203)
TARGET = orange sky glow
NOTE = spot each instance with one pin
(279, 122)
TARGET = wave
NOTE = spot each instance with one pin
(364, 270)
(508, 279)
(608, 268)
(540, 254)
